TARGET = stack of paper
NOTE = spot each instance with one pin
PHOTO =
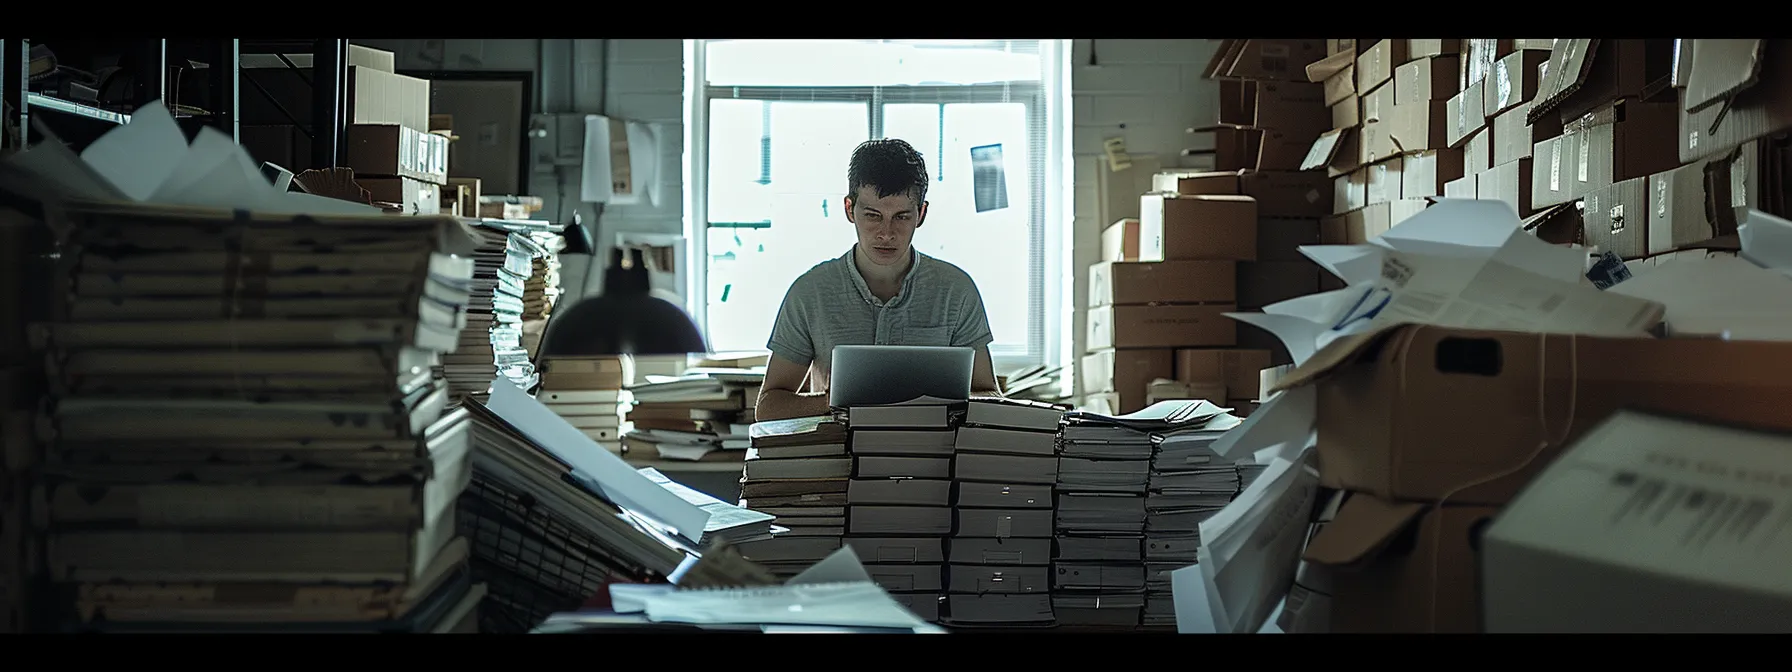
(901, 497)
(542, 291)
(587, 392)
(552, 518)
(246, 432)
(1189, 484)
(999, 556)
(797, 470)
(702, 414)
(493, 337)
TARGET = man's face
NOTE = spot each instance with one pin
(885, 225)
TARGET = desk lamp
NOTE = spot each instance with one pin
(625, 320)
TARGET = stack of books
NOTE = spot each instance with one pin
(797, 470)
(702, 415)
(1188, 485)
(587, 393)
(244, 431)
(1099, 573)
(542, 291)
(901, 498)
(1000, 554)
(491, 344)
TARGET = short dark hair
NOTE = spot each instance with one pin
(889, 166)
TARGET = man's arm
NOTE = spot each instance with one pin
(983, 375)
(779, 398)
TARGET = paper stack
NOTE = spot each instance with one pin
(901, 498)
(1188, 485)
(1000, 554)
(587, 393)
(702, 415)
(797, 470)
(1099, 573)
(244, 430)
(542, 291)
(493, 337)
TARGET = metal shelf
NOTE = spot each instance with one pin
(43, 102)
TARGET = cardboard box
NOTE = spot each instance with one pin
(396, 151)
(1125, 372)
(1416, 49)
(1477, 153)
(1681, 519)
(1514, 138)
(371, 58)
(1402, 567)
(1420, 126)
(1280, 238)
(1615, 218)
(415, 196)
(1585, 75)
(1131, 283)
(1427, 80)
(1347, 113)
(1513, 81)
(1239, 370)
(1623, 141)
(1557, 224)
(1120, 241)
(1465, 187)
(1384, 180)
(1161, 327)
(1376, 65)
(1278, 193)
(1340, 87)
(1464, 114)
(1350, 192)
(1478, 57)
(1234, 148)
(1261, 283)
(469, 204)
(1331, 230)
(1553, 182)
(1197, 228)
(1358, 226)
(1292, 107)
(1378, 105)
(383, 97)
(1424, 174)
(1511, 183)
(1273, 60)
(1414, 413)
(1680, 206)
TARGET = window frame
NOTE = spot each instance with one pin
(1043, 343)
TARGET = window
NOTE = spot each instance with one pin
(770, 133)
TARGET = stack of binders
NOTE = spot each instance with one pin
(1099, 573)
(1188, 485)
(243, 428)
(999, 571)
(587, 393)
(796, 470)
(901, 499)
(492, 341)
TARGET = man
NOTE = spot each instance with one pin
(881, 292)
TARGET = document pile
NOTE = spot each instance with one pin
(587, 393)
(1188, 486)
(244, 431)
(542, 290)
(493, 337)
(797, 470)
(901, 496)
(999, 558)
(700, 415)
(552, 517)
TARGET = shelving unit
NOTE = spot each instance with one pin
(223, 72)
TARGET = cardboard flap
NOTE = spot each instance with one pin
(1335, 354)
(1569, 64)
(1324, 149)
(1320, 70)
(1559, 224)
(1720, 69)
(1223, 58)
(1605, 115)
(1363, 526)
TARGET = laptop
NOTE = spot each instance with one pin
(877, 375)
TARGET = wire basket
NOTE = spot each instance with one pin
(533, 562)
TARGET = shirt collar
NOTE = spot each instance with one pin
(858, 279)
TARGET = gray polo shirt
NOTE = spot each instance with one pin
(831, 305)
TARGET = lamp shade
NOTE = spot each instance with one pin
(625, 320)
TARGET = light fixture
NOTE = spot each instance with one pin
(626, 320)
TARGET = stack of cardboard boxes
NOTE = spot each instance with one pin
(1640, 148)
(1212, 242)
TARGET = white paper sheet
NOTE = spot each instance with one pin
(1250, 554)
(1288, 417)
(1194, 609)
(139, 156)
(1350, 263)
(1766, 239)
(841, 566)
(1717, 296)
(607, 473)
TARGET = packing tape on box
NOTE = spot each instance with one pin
(1545, 440)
